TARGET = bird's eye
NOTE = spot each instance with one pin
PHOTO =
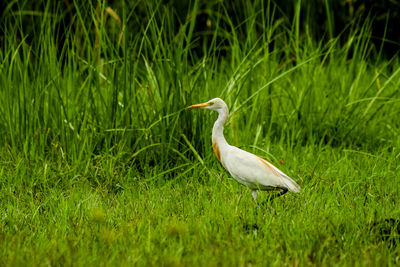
(211, 103)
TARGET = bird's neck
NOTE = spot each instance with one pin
(218, 129)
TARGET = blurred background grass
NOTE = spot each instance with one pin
(79, 79)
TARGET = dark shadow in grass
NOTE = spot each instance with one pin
(248, 227)
(387, 230)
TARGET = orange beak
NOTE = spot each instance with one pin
(202, 105)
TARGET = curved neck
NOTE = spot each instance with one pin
(218, 129)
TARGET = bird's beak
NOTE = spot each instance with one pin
(202, 105)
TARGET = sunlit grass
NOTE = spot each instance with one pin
(58, 215)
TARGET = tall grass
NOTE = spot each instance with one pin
(87, 90)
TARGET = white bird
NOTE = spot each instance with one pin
(247, 168)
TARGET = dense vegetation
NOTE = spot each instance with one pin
(102, 164)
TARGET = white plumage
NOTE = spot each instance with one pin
(248, 169)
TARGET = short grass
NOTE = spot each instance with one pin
(55, 215)
(102, 165)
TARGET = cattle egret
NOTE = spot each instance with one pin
(248, 169)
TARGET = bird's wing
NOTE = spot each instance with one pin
(289, 182)
(256, 172)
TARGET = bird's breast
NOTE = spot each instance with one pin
(217, 151)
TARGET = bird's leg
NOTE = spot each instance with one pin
(272, 196)
(254, 194)
(284, 191)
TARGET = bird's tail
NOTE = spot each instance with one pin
(291, 184)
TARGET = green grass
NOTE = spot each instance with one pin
(101, 164)
(61, 217)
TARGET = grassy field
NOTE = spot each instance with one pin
(101, 164)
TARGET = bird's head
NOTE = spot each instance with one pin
(216, 104)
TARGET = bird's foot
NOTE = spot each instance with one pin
(254, 194)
